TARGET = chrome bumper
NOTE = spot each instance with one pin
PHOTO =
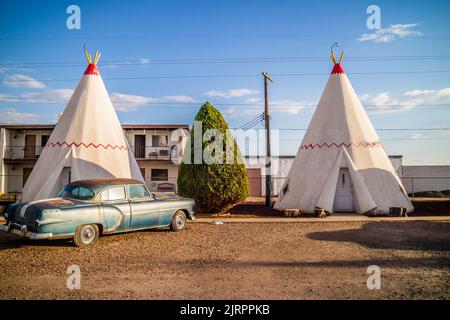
(22, 231)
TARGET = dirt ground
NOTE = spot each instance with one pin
(323, 260)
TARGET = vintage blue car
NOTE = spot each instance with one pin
(86, 209)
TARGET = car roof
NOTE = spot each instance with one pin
(97, 184)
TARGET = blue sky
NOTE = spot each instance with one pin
(143, 39)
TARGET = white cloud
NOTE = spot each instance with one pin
(415, 136)
(10, 69)
(49, 96)
(23, 81)
(113, 65)
(393, 32)
(121, 101)
(279, 106)
(5, 97)
(286, 106)
(176, 99)
(389, 102)
(127, 102)
(232, 93)
(144, 61)
(253, 100)
(10, 116)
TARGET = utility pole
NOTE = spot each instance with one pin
(268, 154)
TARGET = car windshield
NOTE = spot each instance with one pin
(76, 192)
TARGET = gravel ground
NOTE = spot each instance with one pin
(324, 260)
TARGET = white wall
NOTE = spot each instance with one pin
(148, 165)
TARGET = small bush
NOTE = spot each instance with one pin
(428, 194)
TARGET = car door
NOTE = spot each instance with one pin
(145, 211)
(116, 209)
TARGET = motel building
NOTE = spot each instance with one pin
(158, 150)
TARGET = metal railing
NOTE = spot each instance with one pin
(155, 153)
(22, 152)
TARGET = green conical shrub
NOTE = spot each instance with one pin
(213, 186)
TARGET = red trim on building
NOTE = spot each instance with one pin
(82, 144)
(337, 69)
(91, 70)
(347, 145)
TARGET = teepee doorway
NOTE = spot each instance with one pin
(343, 200)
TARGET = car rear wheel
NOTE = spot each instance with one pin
(86, 235)
(178, 221)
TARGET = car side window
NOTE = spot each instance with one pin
(114, 193)
(138, 192)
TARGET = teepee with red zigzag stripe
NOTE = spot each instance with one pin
(341, 164)
(87, 142)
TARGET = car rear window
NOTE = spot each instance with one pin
(76, 192)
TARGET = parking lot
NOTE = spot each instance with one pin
(316, 260)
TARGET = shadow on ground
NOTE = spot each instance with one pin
(431, 262)
(413, 235)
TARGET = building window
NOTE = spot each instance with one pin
(44, 140)
(160, 141)
(160, 174)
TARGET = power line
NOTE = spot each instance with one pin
(235, 76)
(252, 122)
(149, 62)
(250, 106)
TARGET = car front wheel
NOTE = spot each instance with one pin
(86, 235)
(178, 221)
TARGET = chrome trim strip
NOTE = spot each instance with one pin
(31, 235)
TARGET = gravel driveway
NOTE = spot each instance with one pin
(323, 260)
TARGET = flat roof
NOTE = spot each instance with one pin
(124, 126)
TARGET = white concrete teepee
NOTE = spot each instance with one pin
(87, 142)
(341, 164)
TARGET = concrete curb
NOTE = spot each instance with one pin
(315, 220)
